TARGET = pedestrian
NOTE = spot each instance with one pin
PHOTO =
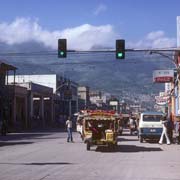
(69, 129)
(164, 131)
(79, 126)
(177, 130)
(170, 127)
(132, 126)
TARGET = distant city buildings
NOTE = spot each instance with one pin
(45, 100)
(84, 97)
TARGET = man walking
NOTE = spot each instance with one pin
(69, 129)
(164, 131)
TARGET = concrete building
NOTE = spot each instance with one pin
(84, 98)
(5, 98)
(19, 108)
(99, 100)
(114, 104)
(65, 92)
(135, 108)
(123, 107)
(96, 97)
(40, 105)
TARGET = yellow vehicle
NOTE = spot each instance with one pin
(100, 128)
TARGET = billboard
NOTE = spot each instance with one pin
(163, 76)
(161, 100)
(113, 103)
(168, 87)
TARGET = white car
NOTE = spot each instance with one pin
(150, 126)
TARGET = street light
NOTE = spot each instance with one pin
(166, 56)
(177, 68)
(68, 94)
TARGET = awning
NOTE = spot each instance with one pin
(6, 67)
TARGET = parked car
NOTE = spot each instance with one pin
(150, 126)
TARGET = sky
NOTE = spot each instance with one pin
(90, 24)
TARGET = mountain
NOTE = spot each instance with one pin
(129, 77)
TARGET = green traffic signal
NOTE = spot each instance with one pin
(120, 49)
(120, 54)
(61, 53)
(62, 48)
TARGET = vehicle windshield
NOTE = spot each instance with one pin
(152, 118)
(99, 124)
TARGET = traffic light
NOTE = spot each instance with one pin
(62, 48)
(120, 49)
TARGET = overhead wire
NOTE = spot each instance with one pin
(131, 57)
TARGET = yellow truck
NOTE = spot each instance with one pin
(100, 128)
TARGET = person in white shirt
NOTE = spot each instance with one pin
(69, 129)
(164, 131)
(79, 126)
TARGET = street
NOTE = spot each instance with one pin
(46, 155)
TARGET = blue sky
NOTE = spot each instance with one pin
(133, 20)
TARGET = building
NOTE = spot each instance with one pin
(123, 107)
(19, 108)
(135, 108)
(114, 104)
(98, 98)
(84, 98)
(40, 105)
(65, 92)
(6, 100)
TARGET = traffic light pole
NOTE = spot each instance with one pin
(166, 56)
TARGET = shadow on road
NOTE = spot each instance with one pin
(127, 149)
(21, 136)
(152, 141)
(120, 139)
(14, 143)
(40, 164)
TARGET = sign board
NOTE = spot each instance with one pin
(100, 101)
(163, 94)
(161, 100)
(168, 87)
(113, 103)
(163, 76)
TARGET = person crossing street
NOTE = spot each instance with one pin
(164, 131)
(69, 129)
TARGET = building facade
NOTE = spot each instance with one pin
(84, 98)
(65, 92)
(6, 99)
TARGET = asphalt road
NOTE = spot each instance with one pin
(47, 156)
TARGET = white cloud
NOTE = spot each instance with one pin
(156, 39)
(155, 35)
(82, 37)
(101, 8)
